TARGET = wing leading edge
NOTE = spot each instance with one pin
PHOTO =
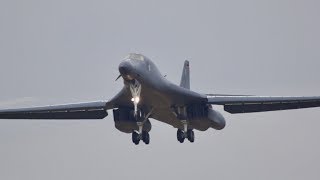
(90, 110)
(250, 104)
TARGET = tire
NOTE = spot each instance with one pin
(135, 138)
(145, 137)
(190, 135)
(180, 136)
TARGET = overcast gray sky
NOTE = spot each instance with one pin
(69, 50)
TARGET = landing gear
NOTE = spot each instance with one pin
(185, 133)
(145, 137)
(190, 135)
(182, 135)
(140, 116)
(136, 137)
(135, 89)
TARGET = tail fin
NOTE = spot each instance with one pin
(185, 79)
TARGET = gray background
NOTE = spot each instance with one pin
(69, 50)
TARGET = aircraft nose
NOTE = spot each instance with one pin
(124, 68)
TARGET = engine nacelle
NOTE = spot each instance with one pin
(203, 117)
(217, 120)
(125, 121)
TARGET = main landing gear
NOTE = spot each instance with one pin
(185, 134)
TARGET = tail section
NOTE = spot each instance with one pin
(185, 79)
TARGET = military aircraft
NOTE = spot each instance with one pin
(148, 94)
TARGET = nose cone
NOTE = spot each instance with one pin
(125, 69)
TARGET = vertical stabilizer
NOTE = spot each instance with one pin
(185, 79)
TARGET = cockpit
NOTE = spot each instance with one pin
(135, 66)
(134, 56)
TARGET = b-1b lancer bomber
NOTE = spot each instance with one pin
(148, 94)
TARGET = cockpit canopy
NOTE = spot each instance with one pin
(135, 56)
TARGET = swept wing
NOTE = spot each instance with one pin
(249, 104)
(89, 110)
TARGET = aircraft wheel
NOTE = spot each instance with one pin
(180, 136)
(190, 135)
(145, 137)
(135, 138)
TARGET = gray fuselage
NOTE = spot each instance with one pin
(157, 93)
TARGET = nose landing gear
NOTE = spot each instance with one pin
(140, 117)
(145, 137)
(135, 89)
(141, 134)
(136, 137)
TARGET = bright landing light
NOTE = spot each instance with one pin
(136, 99)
